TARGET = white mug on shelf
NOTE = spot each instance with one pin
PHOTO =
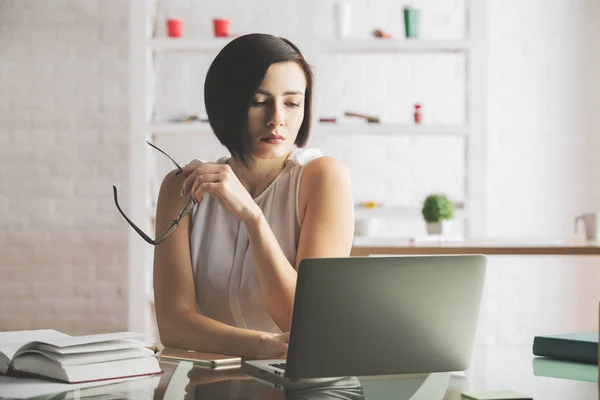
(366, 227)
(591, 223)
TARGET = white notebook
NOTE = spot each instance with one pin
(75, 359)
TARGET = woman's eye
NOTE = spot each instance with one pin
(257, 103)
(293, 104)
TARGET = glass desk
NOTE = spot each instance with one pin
(493, 368)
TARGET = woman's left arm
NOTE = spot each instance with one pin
(326, 209)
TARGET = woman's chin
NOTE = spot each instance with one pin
(271, 151)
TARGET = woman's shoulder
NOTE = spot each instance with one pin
(320, 169)
(325, 167)
(322, 178)
(303, 156)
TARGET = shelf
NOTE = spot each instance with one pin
(368, 45)
(398, 46)
(379, 212)
(400, 212)
(176, 128)
(396, 129)
(188, 44)
(330, 128)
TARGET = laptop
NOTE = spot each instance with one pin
(363, 316)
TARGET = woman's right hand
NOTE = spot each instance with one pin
(273, 345)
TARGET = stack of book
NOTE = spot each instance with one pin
(75, 359)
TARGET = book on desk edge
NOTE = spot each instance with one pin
(75, 359)
(577, 347)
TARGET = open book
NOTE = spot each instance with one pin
(75, 359)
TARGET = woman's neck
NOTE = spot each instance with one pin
(259, 174)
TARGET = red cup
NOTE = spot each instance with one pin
(221, 27)
(174, 27)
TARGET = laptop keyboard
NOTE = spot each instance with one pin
(278, 365)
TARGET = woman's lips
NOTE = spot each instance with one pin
(273, 139)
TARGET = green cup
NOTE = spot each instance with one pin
(411, 22)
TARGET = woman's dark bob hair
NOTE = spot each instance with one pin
(233, 78)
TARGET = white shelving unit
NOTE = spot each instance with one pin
(339, 46)
(398, 46)
(392, 129)
(144, 51)
(187, 44)
(177, 128)
(329, 128)
(396, 212)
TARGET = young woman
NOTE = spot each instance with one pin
(224, 279)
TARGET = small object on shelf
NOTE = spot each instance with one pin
(437, 211)
(418, 114)
(591, 224)
(188, 118)
(366, 227)
(369, 204)
(174, 27)
(379, 33)
(328, 120)
(411, 22)
(343, 19)
(368, 118)
(221, 27)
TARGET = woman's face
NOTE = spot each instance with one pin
(277, 110)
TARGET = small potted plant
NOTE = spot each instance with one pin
(437, 209)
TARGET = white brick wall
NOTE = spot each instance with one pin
(63, 114)
(63, 143)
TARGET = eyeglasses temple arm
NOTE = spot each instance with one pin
(134, 226)
(180, 170)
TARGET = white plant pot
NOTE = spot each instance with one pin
(366, 227)
(439, 228)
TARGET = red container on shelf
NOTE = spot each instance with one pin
(221, 27)
(418, 114)
(174, 27)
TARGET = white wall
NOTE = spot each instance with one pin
(396, 170)
(63, 114)
(542, 136)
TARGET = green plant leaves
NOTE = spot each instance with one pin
(437, 207)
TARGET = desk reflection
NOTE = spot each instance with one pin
(204, 384)
(195, 383)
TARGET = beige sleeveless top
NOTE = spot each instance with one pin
(226, 283)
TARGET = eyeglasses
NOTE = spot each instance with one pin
(187, 209)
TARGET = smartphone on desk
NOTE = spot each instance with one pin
(210, 360)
